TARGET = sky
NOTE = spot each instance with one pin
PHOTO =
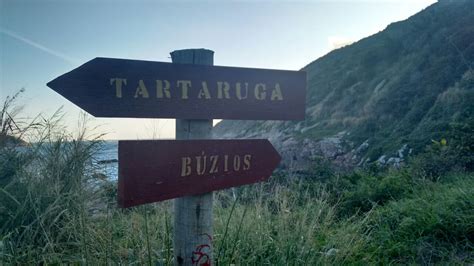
(40, 40)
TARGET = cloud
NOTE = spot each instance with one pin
(43, 48)
(336, 42)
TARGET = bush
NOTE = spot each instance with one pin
(435, 225)
(362, 191)
(453, 153)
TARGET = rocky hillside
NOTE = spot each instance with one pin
(382, 98)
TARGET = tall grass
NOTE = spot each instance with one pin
(435, 226)
(56, 209)
(45, 193)
(281, 225)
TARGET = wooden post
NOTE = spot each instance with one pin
(193, 214)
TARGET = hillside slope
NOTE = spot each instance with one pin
(382, 97)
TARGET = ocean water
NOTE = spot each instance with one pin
(106, 159)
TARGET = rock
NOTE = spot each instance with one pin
(394, 161)
(297, 154)
(107, 161)
(402, 150)
(362, 147)
(331, 252)
(381, 159)
(100, 176)
(303, 130)
(330, 147)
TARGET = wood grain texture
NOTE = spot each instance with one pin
(193, 217)
(108, 87)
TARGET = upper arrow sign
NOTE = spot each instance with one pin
(106, 87)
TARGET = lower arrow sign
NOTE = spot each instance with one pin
(156, 170)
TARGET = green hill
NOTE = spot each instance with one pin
(383, 97)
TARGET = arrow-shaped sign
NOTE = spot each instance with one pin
(106, 87)
(156, 170)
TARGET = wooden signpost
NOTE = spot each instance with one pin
(194, 91)
(156, 170)
(193, 216)
(107, 87)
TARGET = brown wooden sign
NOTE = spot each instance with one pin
(156, 170)
(107, 87)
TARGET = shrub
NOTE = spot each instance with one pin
(453, 153)
(362, 191)
(435, 225)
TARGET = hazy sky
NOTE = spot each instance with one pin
(40, 40)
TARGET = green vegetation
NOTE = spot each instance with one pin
(404, 85)
(410, 84)
(54, 209)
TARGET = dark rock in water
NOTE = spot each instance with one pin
(100, 176)
(11, 141)
(107, 161)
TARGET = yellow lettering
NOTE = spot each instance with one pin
(247, 158)
(260, 91)
(223, 90)
(163, 90)
(236, 162)
(185, 166)
(238, 91)
(185, 85)
(201, 164)
(226, 157)
(141, 90)
(214, 167)
(204, 92)
(276, 93)
(118, 86)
